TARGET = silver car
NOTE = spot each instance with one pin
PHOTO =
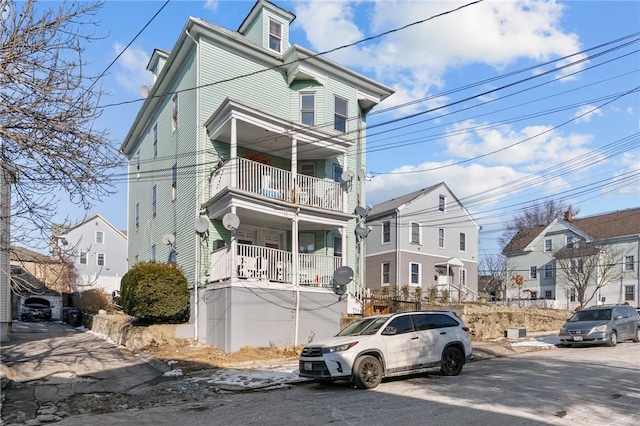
(600, 325)
(381, 346)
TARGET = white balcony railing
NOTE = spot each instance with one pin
(271, 182)
(267, 264)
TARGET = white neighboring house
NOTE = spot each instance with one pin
(531, 254)
(98, 251)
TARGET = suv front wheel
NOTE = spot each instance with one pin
(452, 361)
(613, 338)
(368, 372)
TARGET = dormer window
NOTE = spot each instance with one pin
(275, 36)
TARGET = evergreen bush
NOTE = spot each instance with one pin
(155, 292)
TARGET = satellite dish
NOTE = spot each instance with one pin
(202, 225)
(230, 221)
(362, 232)
(144, 91)
(168, 239)
(343, 275)
(347, 175)
(340, 289)
(362, 212)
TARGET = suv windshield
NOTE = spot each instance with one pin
(364, 326)
(592, 315)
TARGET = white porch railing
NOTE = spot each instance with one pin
(267, 264)
(271, 182)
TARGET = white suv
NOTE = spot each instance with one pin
(381, 346)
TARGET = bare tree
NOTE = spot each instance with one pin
(586, 269)
(537, 214)
(48, 109)
(493, 276)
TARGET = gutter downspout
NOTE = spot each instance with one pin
(198, 253)
(397, 250)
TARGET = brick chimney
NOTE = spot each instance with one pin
(567, 216)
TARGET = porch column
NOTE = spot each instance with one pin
(345, 193)
(234, 249)
(234, 154)
(294, 169)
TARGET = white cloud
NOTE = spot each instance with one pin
(211, 5)
(586, 112)
(531, 148)
(625, 184)
(414, 60)
(132, 72)
(464, 181)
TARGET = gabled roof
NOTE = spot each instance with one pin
(394, 203)
(607, 225)
(59, 229)
(22, 254)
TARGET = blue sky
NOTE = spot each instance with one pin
(566, 133)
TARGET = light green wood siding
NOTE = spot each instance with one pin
(255, 29)
(174, 147)
(266, 90)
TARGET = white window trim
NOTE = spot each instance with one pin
(550, 244)
(83, 254)
(335, 114)
(104, 259)
(302, 94)
(382, 283)
(465, 242)
(279, 37)
(531, 277)
(419, 283)
(631, 264)
(382, 241)
(462, 277)
(444, 203)
(411, 233)
(444, 238)
(96, 237)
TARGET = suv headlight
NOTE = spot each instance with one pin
(599, 329)
(338, 348)
(563, 330)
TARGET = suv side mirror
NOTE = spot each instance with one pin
(389, 331)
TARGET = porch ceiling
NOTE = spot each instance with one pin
(273, 214)
(263, 132)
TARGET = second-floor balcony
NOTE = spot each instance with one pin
(271, 182)
(268, 264)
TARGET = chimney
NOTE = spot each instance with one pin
(567, 216)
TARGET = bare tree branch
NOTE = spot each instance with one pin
(48, 109)
(537, 214)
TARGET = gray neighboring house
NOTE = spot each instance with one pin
(98, 251)
(530, 253)
(424, 239)
(244, 125)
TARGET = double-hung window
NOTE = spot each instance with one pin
(533, 272)
(442, 202)
(340, 114)
(154, 200)
(547, 245)
(174, 182)
(386, 268)
(629, 293)
(275, 36)
(629, 263)
(569, 241)
(308, 109)
(100, 259)
(174, 113)
(463, 241)
(441, 238)
(415, 273)
(155, 141)
(386, 232)
(548, 270)
(99, 237)
(415, 233)
(83, 257)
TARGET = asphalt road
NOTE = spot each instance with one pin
(574, 386)
(73, 378)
